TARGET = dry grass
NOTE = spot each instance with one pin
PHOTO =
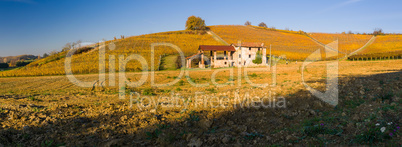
(78, 116)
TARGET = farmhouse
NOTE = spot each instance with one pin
(234, 55)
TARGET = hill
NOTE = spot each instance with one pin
(383, 47)
(14, 59)
(384, 43)
(294, 45)
(347, 42)
(88, 62)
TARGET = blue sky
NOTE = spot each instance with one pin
(39, 26)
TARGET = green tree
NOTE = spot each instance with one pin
(4, 65)
(195, 23)
(45, 55)
(258, 58)
(21, 63)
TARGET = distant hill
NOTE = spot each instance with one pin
(14, 59)
(17, 58)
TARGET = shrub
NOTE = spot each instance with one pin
(212, 90)
(181, 83)
(4, 65)
(254, 75)
(258, 58)
(149, 91)
(21, 63)
(178, 62)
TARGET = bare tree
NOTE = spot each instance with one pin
(71, 45)
(67, 47)
(53, 52)
(378, 31)
(247, 23)
(78, 43)
(262, 24)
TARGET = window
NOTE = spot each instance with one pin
(239, 55)
(225, 63)
(249, 48)
(249, 56)
(258, 49)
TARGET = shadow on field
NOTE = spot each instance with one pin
(305, 120)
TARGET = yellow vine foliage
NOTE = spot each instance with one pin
(294, 45)
(347, 42)
(384, 44)
(88, 62)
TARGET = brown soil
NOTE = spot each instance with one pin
(51, 111)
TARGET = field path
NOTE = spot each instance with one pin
(360, 49)
(217, 38)
(324, 45)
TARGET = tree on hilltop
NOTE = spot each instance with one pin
(378, 31)
(72, 45)
(45, 55)
(262, 24)
(247, 23)
(67, 47)
(195, 23)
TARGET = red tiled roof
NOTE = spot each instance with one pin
(192, 55)
(217, 48)
(251, 44)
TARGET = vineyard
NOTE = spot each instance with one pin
(294, 45)
(383, 47)
(347, 42)
(377, 56)
(87, 61)
(386, 43)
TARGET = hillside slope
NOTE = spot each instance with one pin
(347, 42)
(14, 59)
(383, 44)
(292, 44)
(88, 62)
